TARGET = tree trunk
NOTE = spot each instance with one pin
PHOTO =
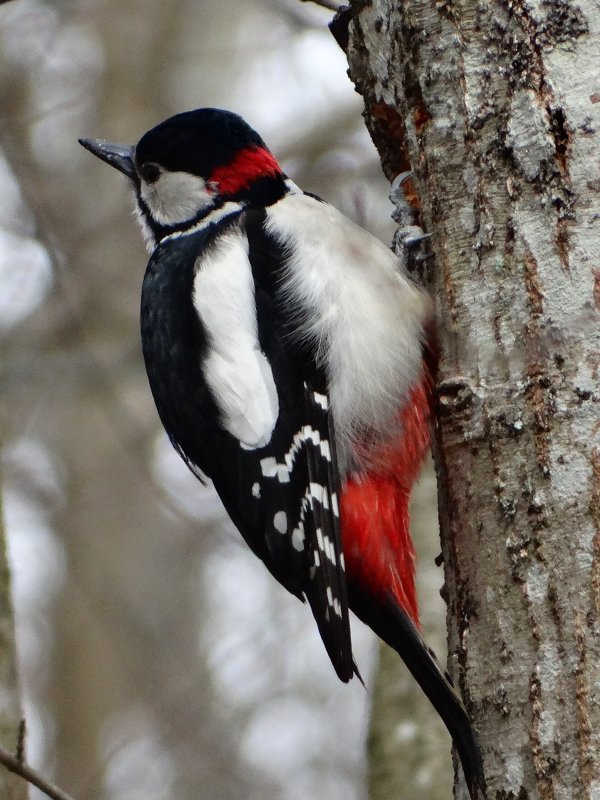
(11, 787)
(494, 106)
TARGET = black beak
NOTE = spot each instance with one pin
(119, 156)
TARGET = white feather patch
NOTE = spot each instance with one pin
(347, 292)
(236, 370)
(176, 197)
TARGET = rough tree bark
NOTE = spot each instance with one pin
(494, 104)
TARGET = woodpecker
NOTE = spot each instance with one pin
(288, 354)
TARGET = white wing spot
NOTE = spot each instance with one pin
(334, 504)
(330, 596)
(283, 474)
(256, 490)
(310, 434)
(298, 539)
(319, 494)
(321, 399)
(280, 522)
(320, 539)
(329, 550)
(282, 471)
(268, 467)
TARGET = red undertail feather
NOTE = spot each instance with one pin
(249, 165)
(378, 550)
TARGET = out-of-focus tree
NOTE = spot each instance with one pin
(11, 786)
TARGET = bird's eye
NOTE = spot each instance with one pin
(150, 172)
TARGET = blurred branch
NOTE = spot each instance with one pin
(20, 751)
(18, 767)
(329, 4)
(10, 707)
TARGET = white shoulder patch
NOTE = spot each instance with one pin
(364, 315)
(237, 371)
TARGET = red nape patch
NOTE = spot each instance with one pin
(248, 166)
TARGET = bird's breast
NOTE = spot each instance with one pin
(364, 317)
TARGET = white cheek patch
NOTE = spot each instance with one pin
(176, 197)
(236, 370)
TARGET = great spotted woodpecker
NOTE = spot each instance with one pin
(288, 357)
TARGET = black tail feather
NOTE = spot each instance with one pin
(392, 624)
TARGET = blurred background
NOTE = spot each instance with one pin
(158, 659)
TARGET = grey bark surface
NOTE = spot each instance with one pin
(495, 106)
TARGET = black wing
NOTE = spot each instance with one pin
(283, 497)
(327, 588)
(299, 479)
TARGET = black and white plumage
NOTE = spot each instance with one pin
(270, 458)
(287, 354)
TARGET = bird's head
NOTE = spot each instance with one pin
(191, 164)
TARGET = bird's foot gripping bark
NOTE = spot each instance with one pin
(410, 241)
